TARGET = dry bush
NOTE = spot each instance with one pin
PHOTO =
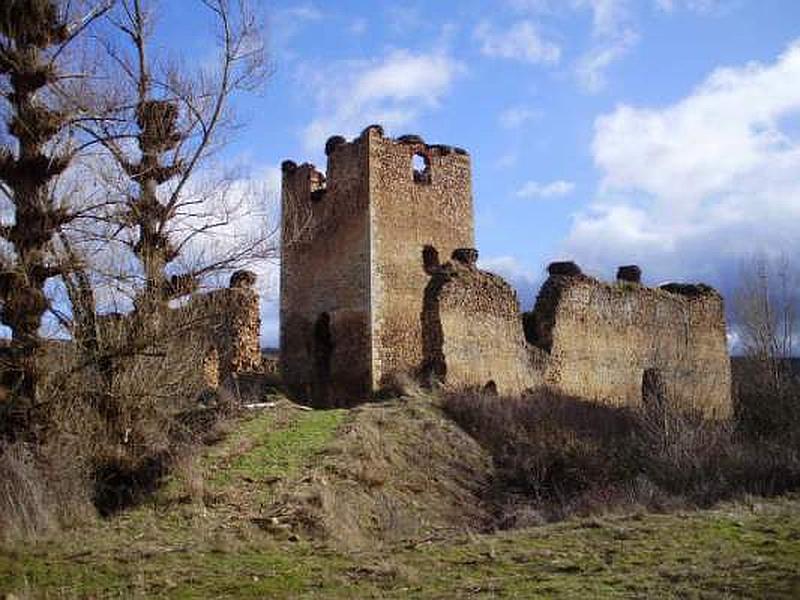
(767, 398)
(24, 509)
(557, 456)
(108, 437)
(766, 307)
(548, 449)
(702, 461)
(40, 489)
(191, 477)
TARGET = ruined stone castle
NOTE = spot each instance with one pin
(379, 280)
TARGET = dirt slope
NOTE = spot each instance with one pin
(398, 470)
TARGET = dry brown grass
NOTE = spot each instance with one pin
(398, 470)
(26, 512)
(40, 490)
(557, 456)
(105, 439)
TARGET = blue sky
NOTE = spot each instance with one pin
(659, 132)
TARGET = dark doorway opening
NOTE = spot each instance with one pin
(654, 393)
(322, 357)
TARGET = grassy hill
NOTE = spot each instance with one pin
(383, 502)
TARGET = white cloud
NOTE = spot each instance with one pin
(304, 12)
(695, 187)
(609, 17)
(392, 91)
(287, 23)
(516, 116)
(591, 67)
(221, 218)
(614, 31)
(554, 189)
(614, 36)
(730, 125)
(247, 209)
(698, 6)
(521, 42)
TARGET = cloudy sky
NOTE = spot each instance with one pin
(659, 132)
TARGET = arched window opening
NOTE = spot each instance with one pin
(422, 168)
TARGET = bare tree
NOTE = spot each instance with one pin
(766, 310)
(160, 126)
(170, 122)
(766, 307)
(34, 39)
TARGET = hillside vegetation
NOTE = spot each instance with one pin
(389, 501)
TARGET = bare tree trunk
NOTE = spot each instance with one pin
(32, 34)
(26, 177)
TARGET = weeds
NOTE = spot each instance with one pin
(96, 459)
(556, 456)
(768, 398)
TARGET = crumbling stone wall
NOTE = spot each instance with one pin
(324, 308)
(215, 335)
(364, 296)
(472, 330)
(352, 273)
(206, 342)
(604, 340)
(211, 339)
(409, 212)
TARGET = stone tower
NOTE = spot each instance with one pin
(358, 246)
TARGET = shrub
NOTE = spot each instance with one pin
(41, 488)
(767, 398)
(702, 461)
(100, 448)
(555, 456)
(24, 510)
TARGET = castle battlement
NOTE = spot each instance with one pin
(314, 200)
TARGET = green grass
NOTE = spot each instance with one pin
(274, 452)
(738, 552)
(172, 548)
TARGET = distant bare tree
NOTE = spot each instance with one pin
(766, 306)
(36, 37)
(766, 310)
